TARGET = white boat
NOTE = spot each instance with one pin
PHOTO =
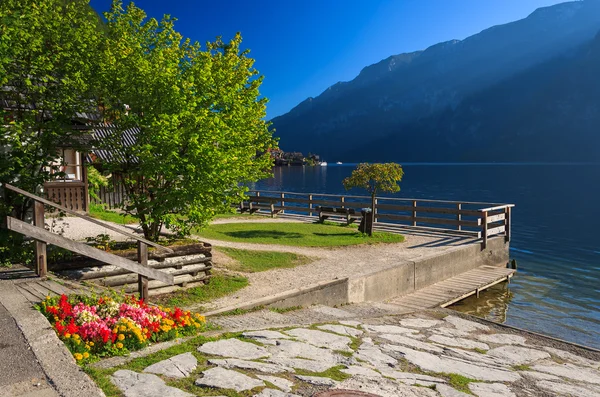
(339, 162)
(323, 163)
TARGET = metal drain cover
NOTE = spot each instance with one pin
(344, 393)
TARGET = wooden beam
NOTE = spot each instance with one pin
(40, 234)
(41, 259)
(495, 218)
(143, 261)
(496, 230)
(87, 218)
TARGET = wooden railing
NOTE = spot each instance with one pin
(478, 219)
(38, 232)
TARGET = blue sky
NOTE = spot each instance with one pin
(304, 46)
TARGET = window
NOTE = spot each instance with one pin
(69, 163)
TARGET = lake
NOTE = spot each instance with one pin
(555, 241)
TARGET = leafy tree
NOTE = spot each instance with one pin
(200, 132)
(47, 56)
(375, 178)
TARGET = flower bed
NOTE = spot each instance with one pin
(94, 327)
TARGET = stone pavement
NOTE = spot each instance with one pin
(432, 353)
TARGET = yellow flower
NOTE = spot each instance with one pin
(77, 356)
(119, 345)
(122, 328)
(86, 355)
(75, 336)
(91, 343)
(121, 336)
(67, 335)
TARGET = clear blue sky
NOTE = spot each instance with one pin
(304, 46)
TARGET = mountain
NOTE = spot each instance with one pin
(495, 96)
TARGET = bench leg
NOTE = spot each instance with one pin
(272, 211)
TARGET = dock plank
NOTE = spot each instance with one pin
(456, 288)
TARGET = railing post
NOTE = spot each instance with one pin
(375, 210)
(143, 260)
(310, 205)
(282, 203)
(507, 223)
(41, 263)
(458, 215)
(342, 200)
(414, 213)
(484, 229)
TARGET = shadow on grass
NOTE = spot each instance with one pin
(264, 234)
(336, 234)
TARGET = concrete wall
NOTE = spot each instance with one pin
(409, 276)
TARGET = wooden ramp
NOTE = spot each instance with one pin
(454, 289)
(36, 289)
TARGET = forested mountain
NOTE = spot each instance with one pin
(524, 91)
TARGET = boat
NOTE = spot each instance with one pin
(339, 162)
(323, 163)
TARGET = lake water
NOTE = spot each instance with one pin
(555, 239)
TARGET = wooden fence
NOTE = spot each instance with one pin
(478, 219)
(113, 195)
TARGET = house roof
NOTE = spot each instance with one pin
(109, 142)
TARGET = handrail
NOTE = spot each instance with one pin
(384, 198)
(87, 218)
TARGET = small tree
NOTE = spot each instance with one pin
(375, 178)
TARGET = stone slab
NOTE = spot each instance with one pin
(466, 325)
(571, 371)
(407, 341)
(252, 365)
(281, 383)
(419, 323)
(134, 384)
(433, 363)
(317, 380)
(385, 387)
(227, 379)
(389, 329)
(180, 366)
(321, 339)
(342, 330)
(447, 391)
(274, 393)
(351, 323)
(354, 370)
(565, 389)
(458, 342)
(502, 339)
(265, 336)
(491, 390)
(234, 348)
(517, 355)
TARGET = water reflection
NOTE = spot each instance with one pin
(492, 303)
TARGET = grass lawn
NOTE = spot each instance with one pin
(249, 261)
(231, 215)
(219, 285)
(99, 212)
(295, 234)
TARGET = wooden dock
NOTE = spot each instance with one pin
(455, 289)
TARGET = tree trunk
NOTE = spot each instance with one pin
(372, 223)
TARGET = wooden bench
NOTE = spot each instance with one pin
(255, 204)
(349, 214)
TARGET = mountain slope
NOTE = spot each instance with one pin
(404, 95)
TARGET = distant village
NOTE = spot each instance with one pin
(294, 158)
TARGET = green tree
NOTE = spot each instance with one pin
(48, 51)
(200, 132)
(374, 178)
